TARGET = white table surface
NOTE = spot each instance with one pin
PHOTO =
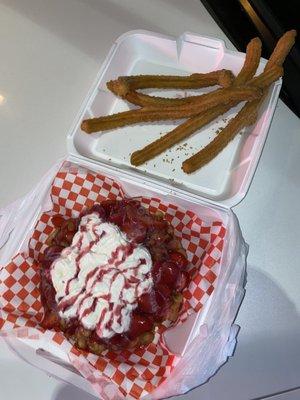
(50, 54)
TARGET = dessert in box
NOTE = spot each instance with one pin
(111, 275)
(74, 193)
(115, 274)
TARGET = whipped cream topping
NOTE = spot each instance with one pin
(99, 278)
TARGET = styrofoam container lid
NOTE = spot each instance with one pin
(226, 179)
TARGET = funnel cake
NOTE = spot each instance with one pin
(109, 277)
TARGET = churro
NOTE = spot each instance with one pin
(253, 53)
(144, 100)
(282, 49)
(188, 127)
(125, 84)
(178, 134)
(150, 114)
(247, 116)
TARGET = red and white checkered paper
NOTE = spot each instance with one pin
(114, 375)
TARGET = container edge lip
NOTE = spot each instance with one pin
(182, 36)
(134, 32)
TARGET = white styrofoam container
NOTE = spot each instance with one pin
(210, 192)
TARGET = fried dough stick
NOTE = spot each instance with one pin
(282, 49)
(206, 101)
(225, 79)
(144, 100)
(184, 130)
(125, 84)
(253, 54)
(247, 116)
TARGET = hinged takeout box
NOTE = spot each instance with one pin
(207, 335)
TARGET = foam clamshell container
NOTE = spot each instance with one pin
(207, 338)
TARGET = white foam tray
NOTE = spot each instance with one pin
(225, 179)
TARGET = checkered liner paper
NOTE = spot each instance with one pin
(131, 374)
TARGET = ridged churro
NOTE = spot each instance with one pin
(188, 127)
(282, 49)
(245, 117)
(253, 53)
(144, 100)
(125, 84)
(150, 114)
(248, 114)
(178, 134)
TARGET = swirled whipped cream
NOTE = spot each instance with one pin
(99, 278)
